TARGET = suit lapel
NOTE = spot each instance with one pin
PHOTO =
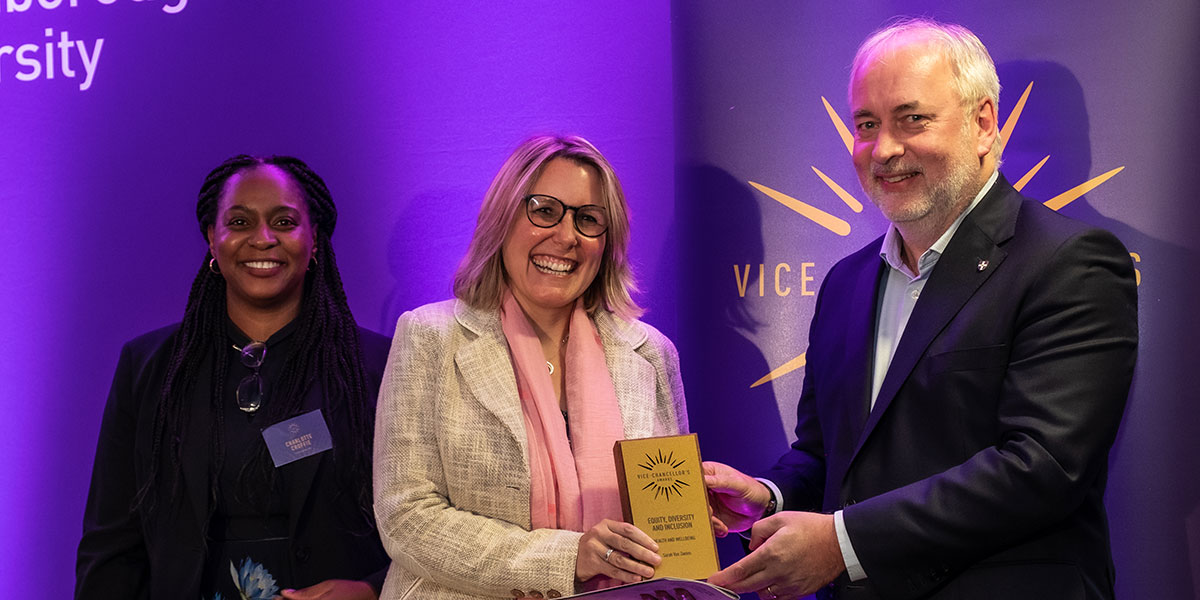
(860, 336)
(957, 276)
(852, 382)
(196, 453)
(486, 369)
(301, 473)
(632, 375)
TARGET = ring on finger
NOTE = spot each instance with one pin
(608, 554)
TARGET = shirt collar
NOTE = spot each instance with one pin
(891, 250)
(240, 339)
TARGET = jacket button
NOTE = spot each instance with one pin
(553, 593)
(535, 594)
(302, 553)
(516, 593)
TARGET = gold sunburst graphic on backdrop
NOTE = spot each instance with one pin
(842, 227)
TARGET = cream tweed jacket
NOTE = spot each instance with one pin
(451, 464)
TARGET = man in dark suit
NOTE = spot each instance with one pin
(966, 372)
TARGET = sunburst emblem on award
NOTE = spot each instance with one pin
(666, 480)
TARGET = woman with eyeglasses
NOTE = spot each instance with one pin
(494, 472)
(235, 451)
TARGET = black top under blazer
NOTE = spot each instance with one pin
(127, 554)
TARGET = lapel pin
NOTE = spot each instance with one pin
(983, 264)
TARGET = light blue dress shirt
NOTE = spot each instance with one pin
(898, 296)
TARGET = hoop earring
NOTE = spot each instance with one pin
(212, 266)
(313, 263)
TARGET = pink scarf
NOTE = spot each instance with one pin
(573, 481)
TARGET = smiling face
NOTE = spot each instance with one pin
(262, 239)
(917, 148)
(549, 268)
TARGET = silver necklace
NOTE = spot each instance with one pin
(550, 365)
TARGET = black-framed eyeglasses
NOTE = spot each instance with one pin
(250, 390)
(547, 211)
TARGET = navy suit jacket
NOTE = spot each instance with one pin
(981, 469)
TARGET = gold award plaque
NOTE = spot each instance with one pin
(663, 494)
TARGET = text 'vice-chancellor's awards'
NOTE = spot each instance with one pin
(663, 494)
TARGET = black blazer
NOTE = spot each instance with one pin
(161, 555)
(981, 470)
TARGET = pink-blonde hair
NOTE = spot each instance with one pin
(481, 280)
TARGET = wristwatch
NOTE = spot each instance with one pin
(772, 504)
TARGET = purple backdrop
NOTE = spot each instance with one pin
(1107, 78)
(407, 109)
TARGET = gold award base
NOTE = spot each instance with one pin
(663, 494)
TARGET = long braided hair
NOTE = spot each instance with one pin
(327, 353)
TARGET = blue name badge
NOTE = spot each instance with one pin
(298, 437)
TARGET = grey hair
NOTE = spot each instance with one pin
(975, 77)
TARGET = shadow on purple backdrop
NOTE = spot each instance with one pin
(1142, 459)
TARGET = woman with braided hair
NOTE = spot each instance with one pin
(234, 456)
